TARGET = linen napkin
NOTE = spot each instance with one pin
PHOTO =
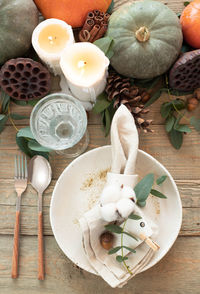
(124, 146)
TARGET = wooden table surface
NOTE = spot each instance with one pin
(177, 273)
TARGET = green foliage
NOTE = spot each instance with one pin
(106, 44)
(29, 145)
(161, 180)
(110, 8)
(143, 188)
(195, 122)
(157, 194)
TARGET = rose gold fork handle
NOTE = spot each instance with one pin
(16, 247)
(40, 248)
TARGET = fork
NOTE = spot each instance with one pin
(20, 186)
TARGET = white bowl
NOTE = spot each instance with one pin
(78, 189)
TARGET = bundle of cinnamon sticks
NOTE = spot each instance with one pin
(95, 26)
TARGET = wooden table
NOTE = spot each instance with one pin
(177, 273)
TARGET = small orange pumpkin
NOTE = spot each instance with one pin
(190, 21)
(71, 11)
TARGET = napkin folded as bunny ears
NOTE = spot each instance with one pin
(116, 203)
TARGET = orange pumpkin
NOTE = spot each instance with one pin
(190, 21)
(72, 11)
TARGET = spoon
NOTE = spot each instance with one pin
(39, 175)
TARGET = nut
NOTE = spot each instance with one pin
(197, 94)
(106, 240)
(145, 97)
(192, 104)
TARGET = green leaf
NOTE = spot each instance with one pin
(130, 249)
(3, 121)
(143, 188)
(107, 122)
(105, 44)
(176, 138)
(161, 180)
(34, 145)
(114, 229)
(183, 128)
(141, 203)
(165, 109)
(186, 3)
(101, 103)
(157, 193)
(153, 98)
(178, 104)
(25, 132)
(19, 102)
(120, 258)
(5, 101)
(110, 8)
(32, 102)
(195, 122)
(133, 237)
(17, 116)
(169, 123)
(134, 216)
(23, 142)
(114, 250)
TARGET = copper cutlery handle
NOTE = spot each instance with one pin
(40, 248)
(16, 247)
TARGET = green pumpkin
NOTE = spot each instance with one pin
(18, 18)
(147, 39)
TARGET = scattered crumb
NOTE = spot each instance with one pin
(93, 186)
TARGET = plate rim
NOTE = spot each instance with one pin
(179, 222)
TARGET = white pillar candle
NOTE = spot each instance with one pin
(49, 39)
(85, 67)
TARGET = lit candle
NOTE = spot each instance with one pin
(85, 67)
(49, 39)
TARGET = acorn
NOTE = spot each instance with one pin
(197, 94)
(106, 240)
(192, 104)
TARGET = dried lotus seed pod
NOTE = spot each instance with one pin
(25, 79)
(184, 75)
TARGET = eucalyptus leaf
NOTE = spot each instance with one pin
(25, 132)
(176, 138)
(195, 122)
(3, 121)
(19, 102)
(5, 101)
(170, 120)
(158, 193)
(186, 3)
(35, 146)
(101, 103)
(114, 229)
(105, 44)
(161, 180)
(178, 104)
(23, 142)
(153, 98)
(114, 250)
(120, 258)
(165, 109)
(183, 129)
(32, 102)
(141, 203)
(110, 8)
(143, 188)
(107, 122)
(17, 116)
(134, 216)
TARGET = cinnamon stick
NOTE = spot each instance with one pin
(84, 35)
(101, 32)
(106, 17)
(96, 12)
(98, 19)
(88, 25)
(94, 32)
(90, 15)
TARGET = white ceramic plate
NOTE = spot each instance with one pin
(78, 189)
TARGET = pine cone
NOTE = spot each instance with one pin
(121, 91)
